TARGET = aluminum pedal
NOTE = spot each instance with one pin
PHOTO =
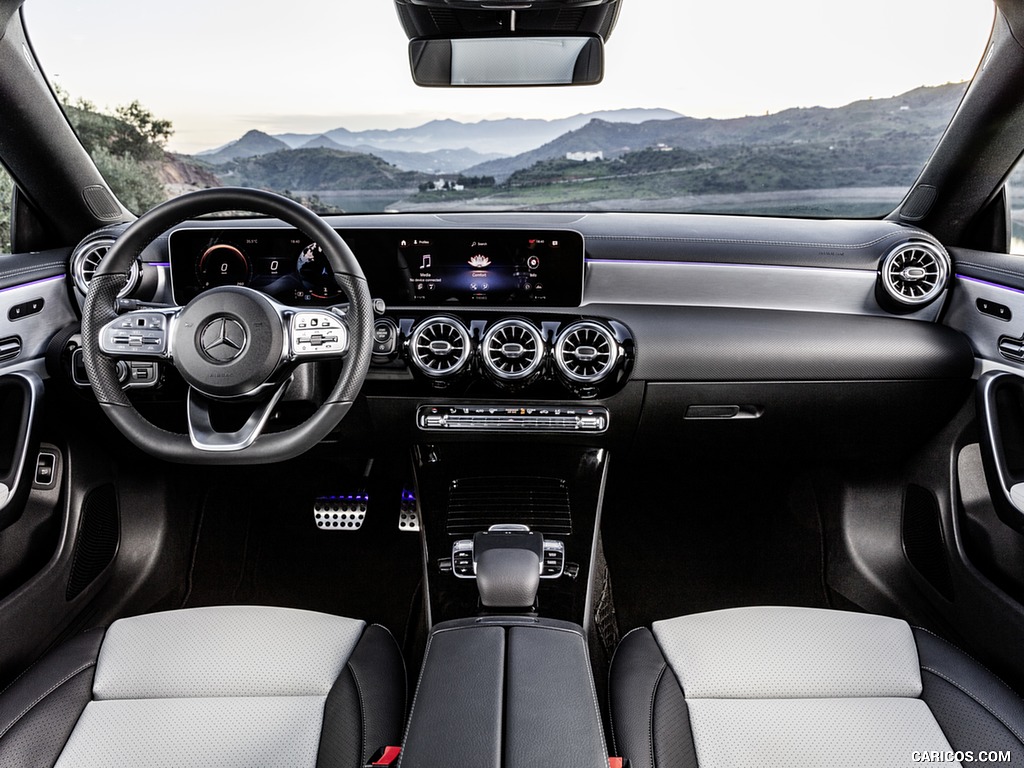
(408, 513)
(340, 513)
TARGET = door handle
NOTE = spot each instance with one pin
(1000, 404)
(21, 397)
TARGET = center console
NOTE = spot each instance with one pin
(505, 692)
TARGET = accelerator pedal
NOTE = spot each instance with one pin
(408, 512)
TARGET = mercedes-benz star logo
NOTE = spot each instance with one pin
(223, 339)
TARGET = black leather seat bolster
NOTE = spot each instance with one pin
(39, 710)
(974, 708)
(650, 719)
(366, 706)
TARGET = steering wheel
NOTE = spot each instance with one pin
(229, 343)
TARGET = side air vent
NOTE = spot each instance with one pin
(476, 503)
(586, 352)
(914, 274)
(440, 346)
(10, 347)
(87, 258)
(512, 349)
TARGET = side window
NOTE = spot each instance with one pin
(6, 190)
(1017, 209)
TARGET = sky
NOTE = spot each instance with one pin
(218, 68)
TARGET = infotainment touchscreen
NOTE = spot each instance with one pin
(402, 267)
(492, 267)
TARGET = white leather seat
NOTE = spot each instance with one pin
(767, 686)
(225, 686)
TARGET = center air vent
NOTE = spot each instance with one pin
(512, 349)
(440, 346)
(86, 259)
(914, 273)
(586, 352)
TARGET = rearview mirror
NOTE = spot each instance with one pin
(497, 61)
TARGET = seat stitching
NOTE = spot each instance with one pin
(593, 693)
(38, 700)
(650, 720)
(611, 664)
(362, 711)
(37, 661)
(977, 700)
(412, 709)
(965, 653)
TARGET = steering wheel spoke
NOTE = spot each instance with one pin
(140, 334)
(205, 437)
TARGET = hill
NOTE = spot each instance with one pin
(317, 169)
(251, 144)
(920, 114)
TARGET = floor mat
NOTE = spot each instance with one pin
(701, 538)
(257, 543)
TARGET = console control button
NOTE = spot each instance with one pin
(385, 337)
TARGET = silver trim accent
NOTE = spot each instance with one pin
(905, 269)
(86, 259)
(35, 396)
(205, 438)
(529, 335)
(305, 347)
(35, 330)
(739, 286)
(593, 350)
(157, 326)
(419, 348)
(983, 331)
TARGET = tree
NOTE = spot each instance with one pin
(126, 146)
(138, 133)
(6, 191)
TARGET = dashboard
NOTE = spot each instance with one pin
(618, 324)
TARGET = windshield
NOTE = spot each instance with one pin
(786, 108)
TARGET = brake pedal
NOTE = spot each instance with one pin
(340, 513)
(408, 513)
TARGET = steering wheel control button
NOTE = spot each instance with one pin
(137, 333)
(317, 333)
(223, 339)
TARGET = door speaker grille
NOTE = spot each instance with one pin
(98, 537)
(922, 539)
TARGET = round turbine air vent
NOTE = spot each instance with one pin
(512, 349)
(914, 273)
(87, 258)
(586, 352)
(440, 346)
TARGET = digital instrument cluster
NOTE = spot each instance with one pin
(428, 267)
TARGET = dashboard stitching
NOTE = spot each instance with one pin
(33, 268)
(987, 268)
(736, 241)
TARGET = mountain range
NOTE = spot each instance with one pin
(341, 159)
(489, 138)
